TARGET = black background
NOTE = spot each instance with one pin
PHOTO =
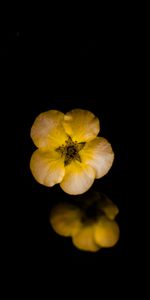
(65, 68)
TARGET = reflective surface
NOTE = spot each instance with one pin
(90, 221)
(65, 71)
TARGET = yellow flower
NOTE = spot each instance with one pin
(70, 153)
(91, 225)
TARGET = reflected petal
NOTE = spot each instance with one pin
(84, 239)
(65, 219)
(109, 208)
(106, 232)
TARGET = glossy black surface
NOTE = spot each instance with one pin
(64, 71)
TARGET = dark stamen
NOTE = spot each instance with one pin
(70, 151)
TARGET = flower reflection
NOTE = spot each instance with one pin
(90, 221)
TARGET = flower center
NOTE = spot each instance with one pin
(70, 150)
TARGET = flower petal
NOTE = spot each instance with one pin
(98, 153)
(84, 239)
(47, 168)
(47, 131)
(78, 178)
(109, 208)
(106, 232)
(65, 219)
(81, 125)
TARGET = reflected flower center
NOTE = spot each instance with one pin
(70, 150)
